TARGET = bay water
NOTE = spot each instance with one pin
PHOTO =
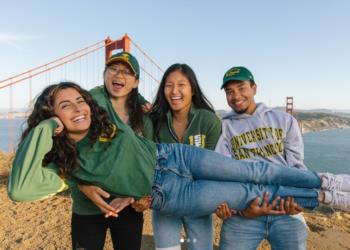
(325, 151)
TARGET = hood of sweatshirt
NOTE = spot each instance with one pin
(259, 112)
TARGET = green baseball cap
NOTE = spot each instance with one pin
(237, 73)
(127, 58)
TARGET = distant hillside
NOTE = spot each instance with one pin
(315, 121)
(221, 112)
(321, 121)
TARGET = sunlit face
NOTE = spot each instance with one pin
(240, 96)
(120, 80)
(178, 92)
(70, 107)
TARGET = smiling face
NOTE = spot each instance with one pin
(71, 108)
(178, 92)
(120, 80)
(240, 96)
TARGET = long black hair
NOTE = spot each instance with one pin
(133, 105)
(161, 106)
(64, 153)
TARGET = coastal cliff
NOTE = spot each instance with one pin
(314, 121)
(321, 121)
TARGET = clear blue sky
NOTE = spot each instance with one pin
(293, 47)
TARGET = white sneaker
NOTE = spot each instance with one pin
(336, 182)
(337, 200)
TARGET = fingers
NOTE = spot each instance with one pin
(256, 202)
(117, 205)
(146, 108)
(272, 208)
(111, 214)
(224, 212)
(96, 195)
(292, 207)
(281, 206)
(59, 126)
(103, 193)
(142, 204)
(265, 203)
(105, 207)
(274, 204)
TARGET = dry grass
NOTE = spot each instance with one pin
(5, 163)
(46, 224)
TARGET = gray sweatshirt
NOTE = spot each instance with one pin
(267, 134)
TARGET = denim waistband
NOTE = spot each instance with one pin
(162, 149)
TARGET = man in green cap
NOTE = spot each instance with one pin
(254, 132)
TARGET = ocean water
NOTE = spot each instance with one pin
(326, 151)
(7, 143)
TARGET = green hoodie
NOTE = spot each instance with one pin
(203, 130)
(81, 204)
(132, 175)
(100, 95)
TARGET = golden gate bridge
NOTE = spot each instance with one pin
(84, 67)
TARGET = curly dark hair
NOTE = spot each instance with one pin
(161, 106)
(64, 152)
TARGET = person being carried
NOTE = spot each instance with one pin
(70, 138)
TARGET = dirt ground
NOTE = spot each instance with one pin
(46, 224)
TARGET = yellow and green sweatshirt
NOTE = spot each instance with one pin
(203, 130)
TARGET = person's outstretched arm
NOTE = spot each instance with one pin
(29, 180)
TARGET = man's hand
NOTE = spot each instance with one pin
(224, 212)
(255, 209)
(290, 206)
(142, 204)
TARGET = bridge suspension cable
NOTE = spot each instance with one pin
(76, 66)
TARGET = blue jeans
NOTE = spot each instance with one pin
(167, 231)
(190, 181)
(282, 232)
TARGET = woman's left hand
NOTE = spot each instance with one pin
(59, 126)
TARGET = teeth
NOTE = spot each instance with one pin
(78, 118)
(175, 98)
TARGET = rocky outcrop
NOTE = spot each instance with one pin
(321, 122)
